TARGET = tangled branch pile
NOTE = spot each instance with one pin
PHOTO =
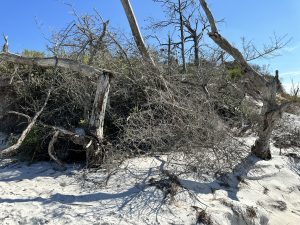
(149, 110)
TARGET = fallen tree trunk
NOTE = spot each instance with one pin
(52, 62)
(12, 150)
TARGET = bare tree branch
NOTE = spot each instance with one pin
(51, 150)
(12, 150)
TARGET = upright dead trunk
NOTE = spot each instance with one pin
(136, 32)
(182, 36)
(196, 52)
(96, 122)
(169, 54)
(196, 39)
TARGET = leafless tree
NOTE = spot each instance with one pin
(192, 28)
(175, 10)
(251, 52)
(295, 89)
(271, 110)
(85, 36)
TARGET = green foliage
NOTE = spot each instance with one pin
(235, 73)
(34, 147)
(32, 53)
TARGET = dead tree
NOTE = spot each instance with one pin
(182, 36)
(136, 32)
(96, 122)
(271, 111)
(175, 10)
(87, 36)
(195, 35)
(91, 141)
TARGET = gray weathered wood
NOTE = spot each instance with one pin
(136, 32)
(96, 122)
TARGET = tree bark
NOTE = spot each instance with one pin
(51, 150)
(196, 50)
(136, 32)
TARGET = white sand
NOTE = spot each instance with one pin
(267, 192)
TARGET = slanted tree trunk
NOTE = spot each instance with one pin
(271, 111)
(255, 77)
(136, 32)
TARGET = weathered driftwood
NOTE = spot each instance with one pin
(20, 114)
(51, 151)
(96, 122)
(12, 150)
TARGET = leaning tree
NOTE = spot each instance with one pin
(271, 111)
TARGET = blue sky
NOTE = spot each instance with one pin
(28, 23)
